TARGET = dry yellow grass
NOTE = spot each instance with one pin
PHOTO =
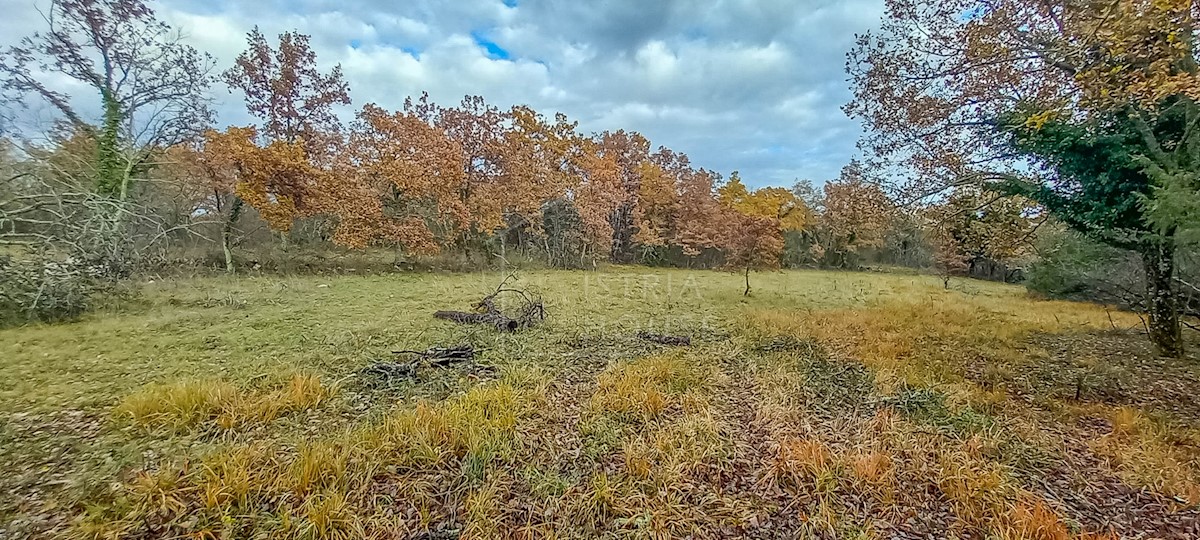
(1034, 521)
(643, 389)
(921, 342)
(669, 453)
(802, 462)
(186, 404)
(319, 488)
(854, 399)
(1149, 454)
(873, 469)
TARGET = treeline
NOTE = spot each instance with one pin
(153, 182)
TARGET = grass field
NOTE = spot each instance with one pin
(826, 405)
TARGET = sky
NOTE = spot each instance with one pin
(754, 86)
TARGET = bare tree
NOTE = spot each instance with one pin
(153, 87)
(284, 89)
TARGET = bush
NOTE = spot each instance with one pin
(48, 291)
(1072, 266)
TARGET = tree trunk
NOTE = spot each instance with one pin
(747, 293)
(110, 179)
(1158, 257)
(235, 211)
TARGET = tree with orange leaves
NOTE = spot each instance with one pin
(539, 161)
(210, 171)
(631, 151)
(855, 217)
(287, 163)
(752, 243)
(479, 129)
(656, 207)
(599, 195)
(1089, 108)
(755, 224)
(414, 173)
(697, 218)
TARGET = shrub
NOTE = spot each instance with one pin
(46, 291)
(1073, 266)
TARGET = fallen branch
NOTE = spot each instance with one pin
(387, 372)
(499, 320)
(438, 357)
(487, 312)
(675, 341)
(441, 356)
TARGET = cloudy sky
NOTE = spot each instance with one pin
(748, 85)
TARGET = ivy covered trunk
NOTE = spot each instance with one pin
(1159, 260)
(112, 179)
(235, 211)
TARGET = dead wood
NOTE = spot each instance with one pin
(442, 356)
(496, 319)
(662, 339)
(530, 312)
(387, 373)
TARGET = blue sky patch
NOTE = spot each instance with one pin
(493, 50)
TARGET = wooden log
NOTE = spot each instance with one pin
(501, 322)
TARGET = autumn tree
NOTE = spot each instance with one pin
(855, 216)
(600, 195)
(285, 90)
(755, 223)
(210, 169)
(538, 161)
(657, 206)
(769, 202)
(479, 128)
(631, 151)
(152, 86)
(698, 218)
(1028, 94)
(752, 243)
(415, 172)
(948, 259)
(983, 228)
(299, 133)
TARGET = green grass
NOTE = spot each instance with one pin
(253, 327)
(233, 406)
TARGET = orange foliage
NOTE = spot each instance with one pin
(275, 179)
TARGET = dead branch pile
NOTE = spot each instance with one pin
(675, 341)
(530, 312)
(386, 373)
(442, 356)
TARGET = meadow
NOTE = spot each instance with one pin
(824, 405)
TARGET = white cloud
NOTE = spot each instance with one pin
(748, 85)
